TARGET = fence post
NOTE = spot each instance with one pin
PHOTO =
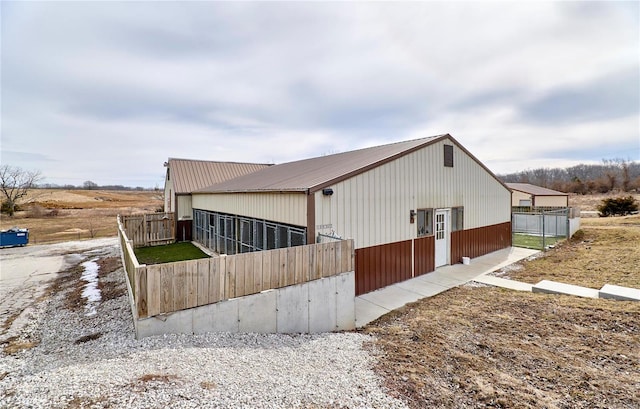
(144, 229)
(544, 233)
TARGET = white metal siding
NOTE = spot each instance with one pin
(289, 208)
(373, 207)
(560, 201)
(184, 207)
(517, 196)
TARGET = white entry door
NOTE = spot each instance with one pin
(442, 237)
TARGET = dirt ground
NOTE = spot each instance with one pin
(477, 346)
(55, 215)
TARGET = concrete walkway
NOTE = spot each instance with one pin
(375, 304)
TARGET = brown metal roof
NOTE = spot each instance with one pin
(315, 173)
(534, 190)
(190, 175)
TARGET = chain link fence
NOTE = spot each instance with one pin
(539, 229)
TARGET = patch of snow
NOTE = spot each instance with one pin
(91, 291)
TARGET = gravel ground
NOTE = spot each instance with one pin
(80, 361)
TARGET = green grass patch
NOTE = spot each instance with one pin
(168, 253)
(533, 242)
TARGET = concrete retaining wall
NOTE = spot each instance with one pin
(323, 305)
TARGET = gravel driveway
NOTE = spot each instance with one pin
(65, 358)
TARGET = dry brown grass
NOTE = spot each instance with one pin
(486, 347)
(590, 202)
(81, 214)
(482, 347)
(607, 253)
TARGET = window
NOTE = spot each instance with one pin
(457, 218)
(231, 234)
(425, 222)
(448, 156)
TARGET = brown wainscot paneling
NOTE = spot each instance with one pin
(383, 265)
(424, 255)
(480, 241)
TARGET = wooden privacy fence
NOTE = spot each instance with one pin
(152, 229)
(129, 259)
(165, 288)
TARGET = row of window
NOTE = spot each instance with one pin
(231, 234)
(425, 222)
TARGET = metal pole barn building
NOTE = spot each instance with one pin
(409, 206)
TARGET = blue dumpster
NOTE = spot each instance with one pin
(14, 237)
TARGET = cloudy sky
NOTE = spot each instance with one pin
(107, 91)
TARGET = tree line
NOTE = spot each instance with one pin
(89, 185)
(610, 176)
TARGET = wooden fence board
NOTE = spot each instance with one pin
(202, 272)
(230, 277)
(240, 275)
(166, 283)
(154, 290)
(326, 259)
(257, 272)
(291, 265)
(306, 253)
(266, 270)
(177, 286)
(142, 292)
(192, 283)
(275, 269)
(297, 267)
(249, 285)
(319, 257)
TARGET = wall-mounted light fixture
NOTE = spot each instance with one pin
(412, 216)
(327, 191)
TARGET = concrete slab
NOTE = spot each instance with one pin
(225, 316)
(322, 305)
(257, 313)
(367, 311)
(553, 287)
(444, 278)
(292, 315)
(422, 287)
(203, 319)
(345, 301)
(391, 297)
(504, 283)
(616, 292)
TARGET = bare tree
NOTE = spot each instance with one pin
(15, 183)
(89, 185)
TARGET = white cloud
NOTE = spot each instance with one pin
(108, 91)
